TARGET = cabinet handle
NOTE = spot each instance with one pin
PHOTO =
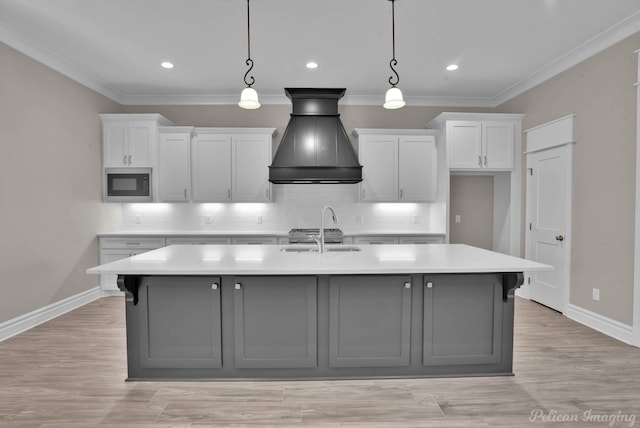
(133, 243)
(266, 192)
(407, 285)
(214, 286)
(485, 161)
(363, 194)
(228, 193)
(238, 285)
(124, 160)
(401, 193)
(185, 194)
(129, 159)
(480, 160)
(429, 284)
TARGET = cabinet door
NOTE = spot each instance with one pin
(370, 321)
(498, 141)
(115, 150)
(141, 136)
(464, 139)
(250, 159)
(180, 322)
(211, 164)
(174, 172)
(379, 159)
(417, 170)
(462, 319)
(275, 321)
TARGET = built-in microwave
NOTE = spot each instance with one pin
(127, 185)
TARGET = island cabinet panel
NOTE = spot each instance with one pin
(369, 321)
(180, 322)
(275, 321)
(462, 319)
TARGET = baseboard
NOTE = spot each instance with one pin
(25, 322)
(613, 328)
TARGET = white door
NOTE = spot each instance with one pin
(211, 163)
(251, 155)
(417, 168)
(174, 171)
(549, 205)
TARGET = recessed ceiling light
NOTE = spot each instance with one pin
(167, 64)
(452, 67)
(312, 65)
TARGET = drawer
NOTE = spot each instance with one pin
(272, 240)
(375, 240)
(132, 242)
(195, 240)
(422, 239)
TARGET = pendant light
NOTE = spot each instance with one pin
(249, 96)
(393, 99)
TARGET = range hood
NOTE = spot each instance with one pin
(315, 147)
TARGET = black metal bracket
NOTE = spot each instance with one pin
(511, 281)
(129, 284)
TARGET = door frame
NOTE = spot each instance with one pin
(635, 336)
(557, 133)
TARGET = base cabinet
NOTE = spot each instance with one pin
(275, 321)
(180, 324)
(319, 326)
(462, 319)
(369, 321)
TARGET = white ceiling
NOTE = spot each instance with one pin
(503, 47)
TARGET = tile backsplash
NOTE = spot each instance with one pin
(294, 205)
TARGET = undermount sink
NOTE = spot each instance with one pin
(336, 249)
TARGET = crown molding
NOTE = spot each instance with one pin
(31, 49)
(597, 44)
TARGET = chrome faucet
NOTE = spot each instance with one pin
(335, 221)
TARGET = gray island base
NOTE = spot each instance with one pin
(319, 326)
(275, 312)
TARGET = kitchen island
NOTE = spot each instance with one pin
(290, 312)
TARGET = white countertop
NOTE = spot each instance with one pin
(270, 260)
(174, 232)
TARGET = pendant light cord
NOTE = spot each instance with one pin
(393, 42)
(249, 61)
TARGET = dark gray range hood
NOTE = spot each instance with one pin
(315, 147)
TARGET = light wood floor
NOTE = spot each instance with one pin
(70, 373)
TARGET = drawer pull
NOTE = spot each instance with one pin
(429, 284)
(214, 286)
(238, 286)
(407, 285)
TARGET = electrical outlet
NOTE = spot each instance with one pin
(208, 219)
(458, 218)
(359, 219)
(416, 219)
(596, 294)
(259, 219)
(138, 218)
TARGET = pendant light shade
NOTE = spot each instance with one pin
(249, 96)
(393, 99)
(249, 99)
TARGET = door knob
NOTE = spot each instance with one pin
(559, 238)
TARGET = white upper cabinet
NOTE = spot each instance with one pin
(250, 160)
(211, 168)
(231, 164)
(397, 165)
(174, 164)
(129, 140)
(479, 141)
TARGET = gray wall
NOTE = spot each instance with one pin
(50, 185)
(471, 197)
(600, 92)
